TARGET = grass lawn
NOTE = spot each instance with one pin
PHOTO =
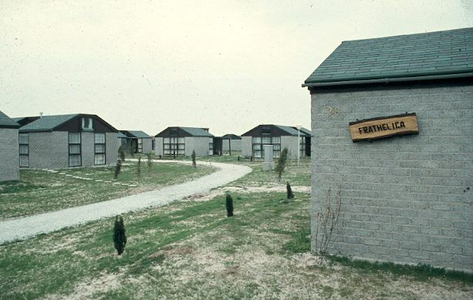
(40, 191)
(190, 249)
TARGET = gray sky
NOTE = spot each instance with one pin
(227, 65)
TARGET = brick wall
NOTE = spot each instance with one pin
(246, 146)
(9, 154)
(48, 149)
(198, 144)
(406, 199)
(112, 145)
(147, 146)
(159, 146)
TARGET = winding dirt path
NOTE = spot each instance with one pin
(24, 228)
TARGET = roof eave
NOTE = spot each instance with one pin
(10, 126)
(387, 80)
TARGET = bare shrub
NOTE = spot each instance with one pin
(329, 220)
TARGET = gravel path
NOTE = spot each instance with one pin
(23, 228)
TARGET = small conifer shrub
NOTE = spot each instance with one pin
(194, 163)
(118, 168)
(281, 163)
(229, 205)
(149, 162)
(138, 169)
(290, 194)
(119, 236)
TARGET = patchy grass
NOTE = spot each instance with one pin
(294, 174)
(40, 191)
(190, 249)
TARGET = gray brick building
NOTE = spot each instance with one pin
(63, 141)
(279, 136)
(404, 199)
(9, 168)
(181, 141)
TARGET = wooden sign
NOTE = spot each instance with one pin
(384, 127)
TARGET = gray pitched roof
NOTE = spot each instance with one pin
(47, 123)
(7, 122)
(121, 135)
(293, 130)
(137, 134)
(442, 54)
(196, 131)
(231, 136)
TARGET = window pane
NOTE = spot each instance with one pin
(181, 147)
(100, 138)
(140, 141)
(166, 146)
(100, 159)
(257, 140)
(277, 147)
(166, 152)
(24, 149)
(166, 140)
(266, 140)
(74, 149)
(24, 161)
(180, 140)
(258, 153)
(74, 160)
(23, 138)
(74, 138)
(276, 140)
(256, 147)
(100, 148)
(181, 152)
(276, 153)
(87, 124)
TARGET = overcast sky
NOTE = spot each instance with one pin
(226, 65)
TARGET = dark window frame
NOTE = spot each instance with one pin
(177, 151)
(69, 148)
(104, 149)
(261, 144)
(27, 155)
(139, 145)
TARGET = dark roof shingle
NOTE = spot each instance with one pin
(47, 123)
(7, 122)
(196, 131)
(443, 53)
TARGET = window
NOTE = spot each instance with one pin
(100, 149)
(211, 146)
(24, 142)
(174, 145)
(153, 144)
(87, 124)
(259, 142)
(302, 146)
(139, 148)
(75, 158)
